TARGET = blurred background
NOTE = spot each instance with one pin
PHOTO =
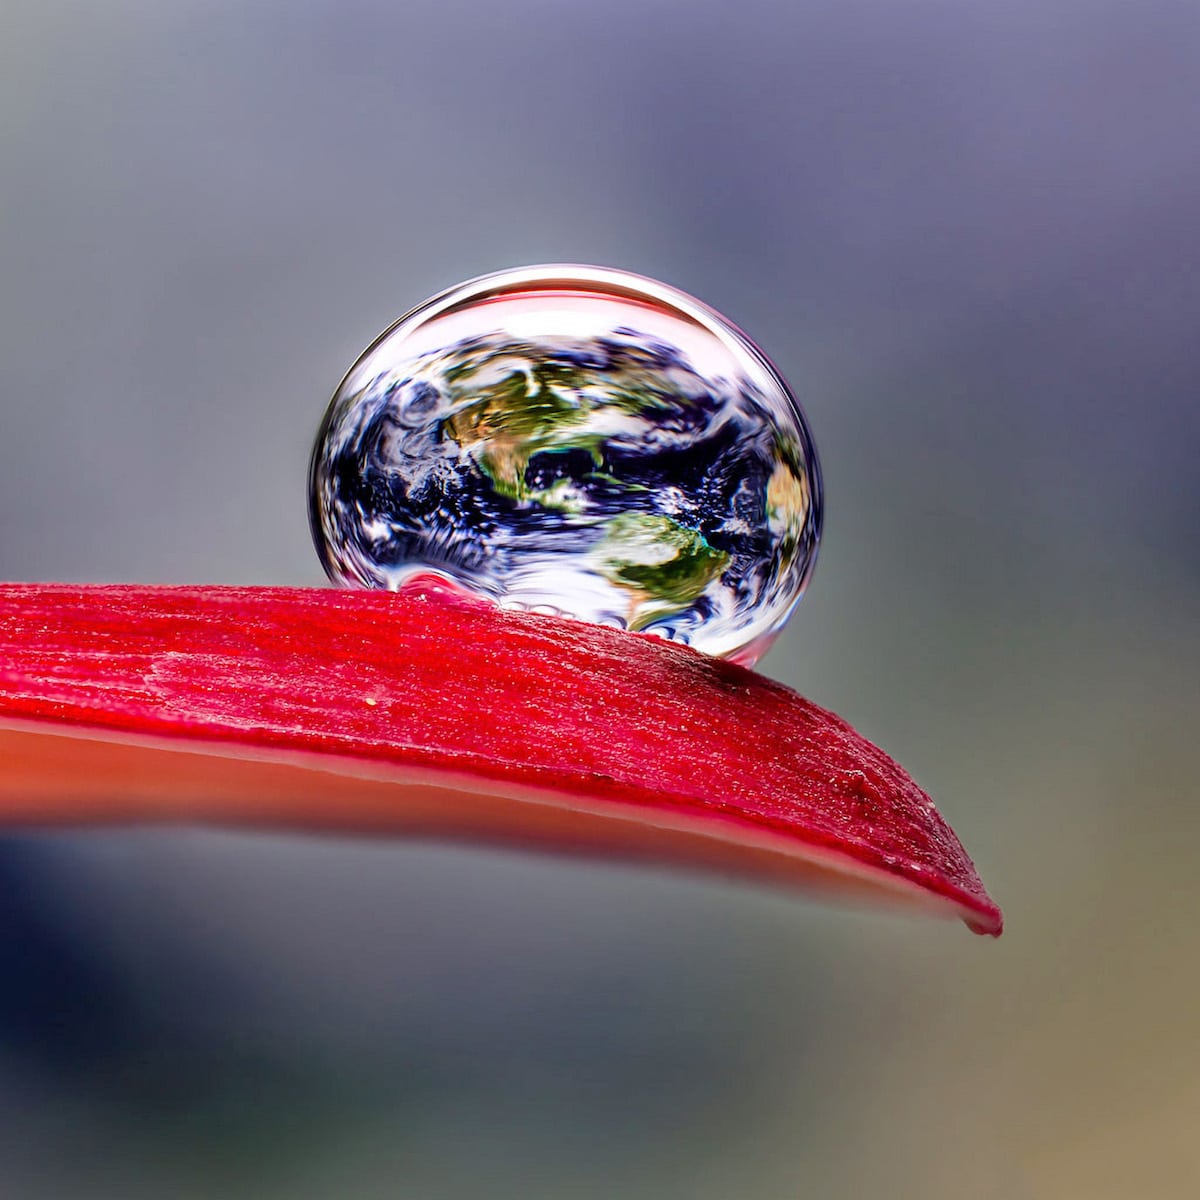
(968, 234)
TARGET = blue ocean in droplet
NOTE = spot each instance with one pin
(575, 440)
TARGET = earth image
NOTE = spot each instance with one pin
(575, 447)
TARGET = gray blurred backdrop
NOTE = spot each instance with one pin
(968, 233)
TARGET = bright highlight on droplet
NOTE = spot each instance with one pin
(577, 440)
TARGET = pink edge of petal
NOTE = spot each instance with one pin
(649, 747)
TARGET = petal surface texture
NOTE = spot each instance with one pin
(428, 713)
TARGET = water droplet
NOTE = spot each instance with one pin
(581, 439)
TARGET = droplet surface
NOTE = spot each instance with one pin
(576, 440)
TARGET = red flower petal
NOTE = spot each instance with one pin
(432, 713)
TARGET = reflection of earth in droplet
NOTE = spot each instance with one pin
(579, 440)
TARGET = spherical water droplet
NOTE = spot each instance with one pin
(581, 439)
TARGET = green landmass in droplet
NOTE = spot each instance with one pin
(665, 566)
(561, 495)
(787, 502)
(524, 414)
(543, 407)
